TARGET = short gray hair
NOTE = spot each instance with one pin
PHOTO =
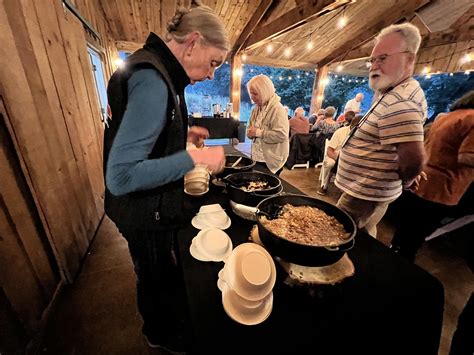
(263, 85)
(410, 34)
(329, 111)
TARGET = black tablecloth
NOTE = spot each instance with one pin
(219, 127)
(388, 307)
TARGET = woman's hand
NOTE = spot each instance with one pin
(196, 135)
(252, 132)
(213, 158)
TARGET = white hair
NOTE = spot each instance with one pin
(263, 85)
(410, 34)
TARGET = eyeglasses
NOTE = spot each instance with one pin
(380, 58)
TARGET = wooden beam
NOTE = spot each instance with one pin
(318, 89)
(464, 19)
(253, 22)
(128, 46)
(442, 38)
(291, 20)
(279, 63)
(363, 34)
(235, 81)
(431, 40)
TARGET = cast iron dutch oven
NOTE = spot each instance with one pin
(303, 254)
(245, 164)
(235, 181)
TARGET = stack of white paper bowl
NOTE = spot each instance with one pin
(246, 283)
(211, 244)
(196, 182)
(211, 216)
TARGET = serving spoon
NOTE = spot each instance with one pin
(236, 163)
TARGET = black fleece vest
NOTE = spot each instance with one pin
(162, 207)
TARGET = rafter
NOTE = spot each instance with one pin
(366, 33)
(253, 22)
(300, 15)
(280, 63)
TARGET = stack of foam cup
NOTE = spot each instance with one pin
(196, 182)
(246, 282)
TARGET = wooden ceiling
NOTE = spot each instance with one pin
(288, 26)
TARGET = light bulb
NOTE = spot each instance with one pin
(269, 48)
(119, 63)
(342, 22)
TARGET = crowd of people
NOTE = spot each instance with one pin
(380, 155)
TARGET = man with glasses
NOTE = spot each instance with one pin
(385, 153)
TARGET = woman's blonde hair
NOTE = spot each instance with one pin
(263, 86)
(198, 18)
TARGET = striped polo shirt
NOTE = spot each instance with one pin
(368, 162)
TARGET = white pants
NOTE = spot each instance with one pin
(328, 164)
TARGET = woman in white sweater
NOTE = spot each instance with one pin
(268, 125)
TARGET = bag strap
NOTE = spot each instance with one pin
(362, 120)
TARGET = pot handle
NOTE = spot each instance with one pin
(346, 248)
(254, 193)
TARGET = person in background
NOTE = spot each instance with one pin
(268, 125)
(333, 148)
(346, 117)
(327, 126)
(385, 154)
(299, 123)
(354, 104)
(316, 117)
(145, 159)
(449, 171)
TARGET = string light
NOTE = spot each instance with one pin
(244, 57)
(238, 72)
(466, 58)
(309, 45)
(342, 22)
(119, 63)
(451, 74)
(287, 52)
(325, 81)
(339, 68)
(269, 48)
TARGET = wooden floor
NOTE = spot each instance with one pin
(98, 315)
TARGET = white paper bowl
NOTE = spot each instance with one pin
(210, 208)
(250, 271)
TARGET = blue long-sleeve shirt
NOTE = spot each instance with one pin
(128, 167)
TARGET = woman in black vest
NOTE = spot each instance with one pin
(145, 159)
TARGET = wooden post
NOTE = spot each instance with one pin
(235, 80)
(319, 85)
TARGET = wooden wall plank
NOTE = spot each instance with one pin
(167, 11)
(15, 193)
(87, 111)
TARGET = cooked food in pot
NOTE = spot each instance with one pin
(255, 186)
(307, 225)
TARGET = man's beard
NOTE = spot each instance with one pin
(383, 81)
(380, 82)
